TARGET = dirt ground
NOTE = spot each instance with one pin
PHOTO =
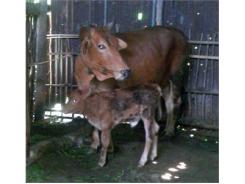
(184, 158)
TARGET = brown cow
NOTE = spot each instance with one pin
(103, 52)
(105, 110)
(152, 54)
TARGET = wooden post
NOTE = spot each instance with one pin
(32, 12)
(159, 12)
(41, 70)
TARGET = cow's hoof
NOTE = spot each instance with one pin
(169, 134)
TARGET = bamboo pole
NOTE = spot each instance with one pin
(41, 70)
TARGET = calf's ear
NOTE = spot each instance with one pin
(121, 44)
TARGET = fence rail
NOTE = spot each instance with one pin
(204, 57)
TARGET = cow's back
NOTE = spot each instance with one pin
(153, 54)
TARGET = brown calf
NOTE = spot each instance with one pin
(105, 110)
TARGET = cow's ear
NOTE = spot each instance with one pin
(85, 46)
(83, 33)
(91, 32)
(121, 44)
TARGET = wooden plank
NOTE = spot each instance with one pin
(197, 66)
(208, 107)
(216, 76)
(196, 42)
(215, 106)
(212, 115)
(205, 68)
(198, 106)
(216, 58)
(62, 36)
(210, 92)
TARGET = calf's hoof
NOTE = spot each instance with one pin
(94, 146)
(91, 151)
(101, 163)
(141, 164)
(153, 157)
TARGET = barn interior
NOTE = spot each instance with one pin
(52, 44)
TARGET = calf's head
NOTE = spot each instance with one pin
(82, 75)
(75, 102)
(100, 53)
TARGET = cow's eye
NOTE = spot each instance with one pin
(74, 101)
(101, 46)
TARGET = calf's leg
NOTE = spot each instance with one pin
(148, 142)
(95, 139)
(105, 140)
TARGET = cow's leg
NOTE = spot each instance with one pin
(95, 139)
(148, 141)
(105, 140)
(155, 129)
(169, 129)
(169, 104)
(159, 115)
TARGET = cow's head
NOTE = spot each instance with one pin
(100, 53)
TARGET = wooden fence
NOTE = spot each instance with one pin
(202, 87)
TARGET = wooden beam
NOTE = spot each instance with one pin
(202, 92)
(203, 42)
(204, 57)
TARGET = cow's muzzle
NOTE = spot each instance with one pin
(122, 75)
(125, 73)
